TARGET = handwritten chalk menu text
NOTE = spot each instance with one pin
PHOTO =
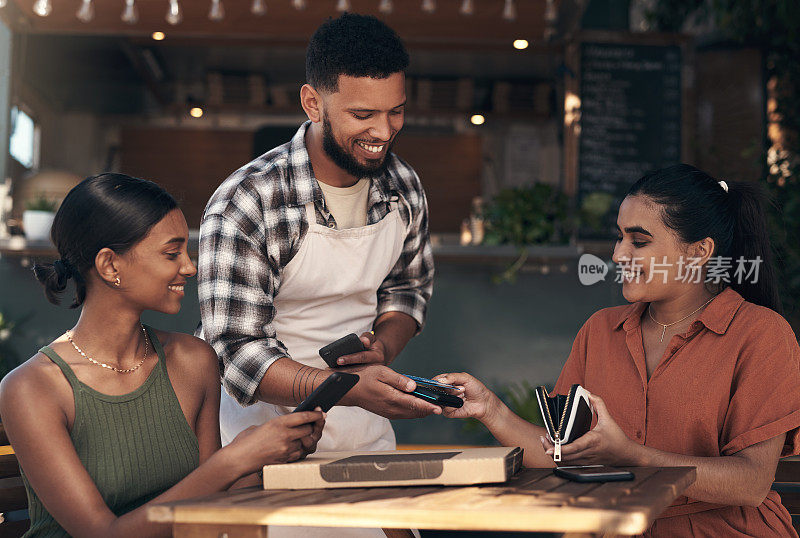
(630, 114)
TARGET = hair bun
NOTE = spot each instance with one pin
(63, 270)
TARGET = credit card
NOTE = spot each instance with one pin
(431, 382)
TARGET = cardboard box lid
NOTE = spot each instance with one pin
(396, 468)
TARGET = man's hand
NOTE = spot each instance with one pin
(375, 352)
(383, 391)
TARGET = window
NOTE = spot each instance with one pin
(24, 142)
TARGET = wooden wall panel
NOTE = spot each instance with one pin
(450, 169)
(190, 164)
(730, 113)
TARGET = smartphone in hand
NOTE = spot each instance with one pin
(329, 392)
(437, 396)
(347, 345)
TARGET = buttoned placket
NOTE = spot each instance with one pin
(634, 339)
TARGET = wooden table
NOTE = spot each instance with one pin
(533, 500)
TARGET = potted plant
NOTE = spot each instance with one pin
(38, 217)
(535, 214)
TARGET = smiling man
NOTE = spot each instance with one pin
(323, 236)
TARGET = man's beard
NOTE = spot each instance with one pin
(345, 160)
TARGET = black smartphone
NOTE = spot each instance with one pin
(437, 396)
(346, 345)
(592, 473)
(329, 392)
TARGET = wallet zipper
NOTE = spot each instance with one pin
(557, 440)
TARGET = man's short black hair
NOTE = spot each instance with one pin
(356, 46)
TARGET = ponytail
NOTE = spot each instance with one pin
(696, 206)
(751, 242)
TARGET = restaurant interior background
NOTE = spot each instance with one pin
(526, 121)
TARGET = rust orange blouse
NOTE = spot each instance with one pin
(730, 381)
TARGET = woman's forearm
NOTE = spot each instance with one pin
(733, 480)
(512, 430)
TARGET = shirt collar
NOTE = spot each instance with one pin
(303, 186)
(716, 317)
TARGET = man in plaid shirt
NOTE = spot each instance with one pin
(320, 237)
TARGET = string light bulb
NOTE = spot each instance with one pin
(130, 14)
(86, 11)
(343, 5)
(509, 11)
(299, 4)
(43, 8)
(428, 6)
(217, 11)
(386, 7)
(174, 13)
(259, 8)
(467, 7)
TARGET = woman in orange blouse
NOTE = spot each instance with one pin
(700, 370)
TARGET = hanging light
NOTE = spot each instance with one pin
(217, 11)
(3, 3)
(510, 11)
(299, 4)
(86, 11)
(385, 7)
(259, 8)
(343, 5)
(43, 8)
(174, 13)
(130, 14)
(428, 6)
(467, 7)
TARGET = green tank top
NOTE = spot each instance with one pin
(134, 446)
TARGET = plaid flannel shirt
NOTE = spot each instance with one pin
(253, 226)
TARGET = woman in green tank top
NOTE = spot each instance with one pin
(114, 415)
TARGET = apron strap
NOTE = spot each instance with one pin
(311, 214)
(393, 206)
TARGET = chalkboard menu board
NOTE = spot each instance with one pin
(630, 114)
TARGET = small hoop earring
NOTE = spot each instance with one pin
(116, 282)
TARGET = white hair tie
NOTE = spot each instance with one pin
(723, 185)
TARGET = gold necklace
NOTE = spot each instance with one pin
(104, 365)
(665, 325)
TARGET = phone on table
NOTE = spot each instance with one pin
(329, 392)
(346, 345)
(592, 473)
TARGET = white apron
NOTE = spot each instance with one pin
(329, 289)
